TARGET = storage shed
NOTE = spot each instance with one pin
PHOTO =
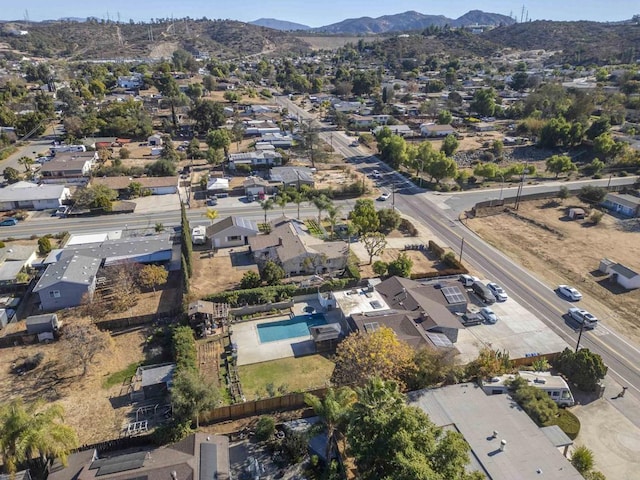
(46, 323)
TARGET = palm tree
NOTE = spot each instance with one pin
(333, 411)
(211, 214)
(26, 162)
(333, 213)
(30, 431)
(297, 198)
(281, 200)
(322, 203)
(266, 206)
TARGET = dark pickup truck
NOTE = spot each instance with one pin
(471, 319)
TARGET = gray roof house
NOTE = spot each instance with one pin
(69, 167)
(436, 306)
(13, 260)
(623, 275)
(292, 176)
(231, 232)
(505, 443)
(200, 456)
(291, 246)
(623, 204)
(255, 159)
(31, 196)
(67, 282)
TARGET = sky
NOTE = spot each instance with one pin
(313, 13)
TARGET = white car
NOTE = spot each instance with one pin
(569, 292)
(489, 315)
(497, 291)
(376, 174)
(583, 317)
(355, 143)
(384, 197)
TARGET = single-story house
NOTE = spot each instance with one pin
(13, 260)
(437, 306)
(231, 231)
(254, 159)
(257, 186)
(484, 127)
(297, 251)
(292, 176)
(400, 129)
(554, 385)
(154, 140)
(623, 204)
(624, 276)
(278, 140)
(217, 185)
(68, 282)
(45, 323)
(31, 196)
(130, 81)
(69, 167)
(154, 185)
(369, 120)
(435, 130)
(200, 456)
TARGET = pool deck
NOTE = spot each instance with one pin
(251, 350)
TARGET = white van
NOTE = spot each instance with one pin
(467, 280)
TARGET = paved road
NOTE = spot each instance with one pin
(440, 212)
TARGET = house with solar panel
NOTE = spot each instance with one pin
(197, 457)
(420, 314)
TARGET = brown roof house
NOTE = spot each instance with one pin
(198, 457)
(69, 167)
(291, 246)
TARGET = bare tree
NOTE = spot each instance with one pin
(83, 341)
(124, 287)
(374, 243)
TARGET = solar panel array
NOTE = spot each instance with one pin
(439, 339)
(121, 463)
(453, 295)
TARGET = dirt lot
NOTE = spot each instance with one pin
(86, 403)
(219, 272)
(570, 253)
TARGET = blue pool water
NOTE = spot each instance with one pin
(297, 326)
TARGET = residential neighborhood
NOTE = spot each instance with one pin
(392, 247)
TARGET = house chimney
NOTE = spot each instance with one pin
(503, 445)
(280, 241)
(495, 434)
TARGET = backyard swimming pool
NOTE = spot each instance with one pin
(297, 326)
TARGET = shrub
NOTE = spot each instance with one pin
(407, 227)
(352, 271)
(436, 249)
(183, 348)
(44, 245)
(250, 280)
(451, 261)
(596, 217)
(265, 428)
(294, 446)
(568, 422)
(380, 268)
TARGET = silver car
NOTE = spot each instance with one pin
(497, 291)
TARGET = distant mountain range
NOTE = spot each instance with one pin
(279, 24)
(410, 20)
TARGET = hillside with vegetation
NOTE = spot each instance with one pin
(94, 39)
(580, 43)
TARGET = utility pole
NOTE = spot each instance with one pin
(393, 195)
(580, 336)
(461, 249)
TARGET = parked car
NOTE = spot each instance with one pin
(583, 317)
(354, 144)
(483, 293)
(376, 174)
(9, 222)
(569, 292)
(384, 197)
(497, 291)
(62, 211)
(489, 315)
(467, 280)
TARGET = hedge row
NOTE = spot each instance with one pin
(435, 248)
(276, 293)
(183, 346)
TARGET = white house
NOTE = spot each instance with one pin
(232, 232)
(155, 140)
(217, 185)
(623, 276)
(31, 196)
(435, 130)
(554, 385)
(130, 81)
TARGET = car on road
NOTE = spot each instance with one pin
(569, 292)
(497, 291)
(355, 143)
(489, 315)
(9, 222)
(384, 197)
(583, 317)
(376, 174)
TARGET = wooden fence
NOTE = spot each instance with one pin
(125, 322)
(291, 401)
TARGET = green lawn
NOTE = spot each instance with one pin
(117, 378)
(287, 374)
